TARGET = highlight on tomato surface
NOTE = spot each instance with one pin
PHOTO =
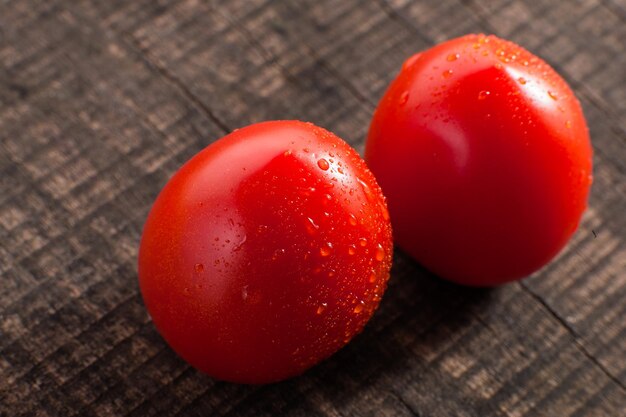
(266, 252)
(483, 153)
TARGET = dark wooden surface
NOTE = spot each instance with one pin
(101, 101)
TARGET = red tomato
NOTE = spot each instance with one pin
(266, 252)
(483, 153)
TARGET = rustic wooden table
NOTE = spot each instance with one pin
(101, 101)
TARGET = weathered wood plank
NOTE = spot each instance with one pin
(101, 101)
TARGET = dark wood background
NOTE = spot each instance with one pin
(101, 101)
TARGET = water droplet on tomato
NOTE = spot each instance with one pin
(351, 250)
(326, 249)
(384, 211)
(568, 124)
(521, 80)
(404, 97)
(363, 242)
(239, 245)
(358, 308)
(380, 253)
(321, 308)
(323, 164)
(483, 95)
(446, 73)
(372, 277)
(277, 254)
(244, 292)
(311, 226)
(366, 189)
(352, 219)
(453, 57)
(198, 268)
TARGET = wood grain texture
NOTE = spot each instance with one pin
(100, 102)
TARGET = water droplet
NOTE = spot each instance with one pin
(453, 57)
(384, 212)
(198, 268)
(568, 124)
(239, 245)
(366, 189)
(522, 80)
(321, 308)
(323, 164)
(552, 95)
(483, 95)
(311, 226)
(244, 292)
(352, 219)
(446, 73)
(380, 253)
(358, 308)
(278, 253)
(404, 97)
(351, 250)
(326, 249)
(363, 242)
(372, 277)
(476, 45)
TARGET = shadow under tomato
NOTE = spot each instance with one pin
(418, 315)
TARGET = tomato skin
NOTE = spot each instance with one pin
(266, 252)
(483, 153)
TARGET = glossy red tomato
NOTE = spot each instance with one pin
(266, 252)
(483, 153)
